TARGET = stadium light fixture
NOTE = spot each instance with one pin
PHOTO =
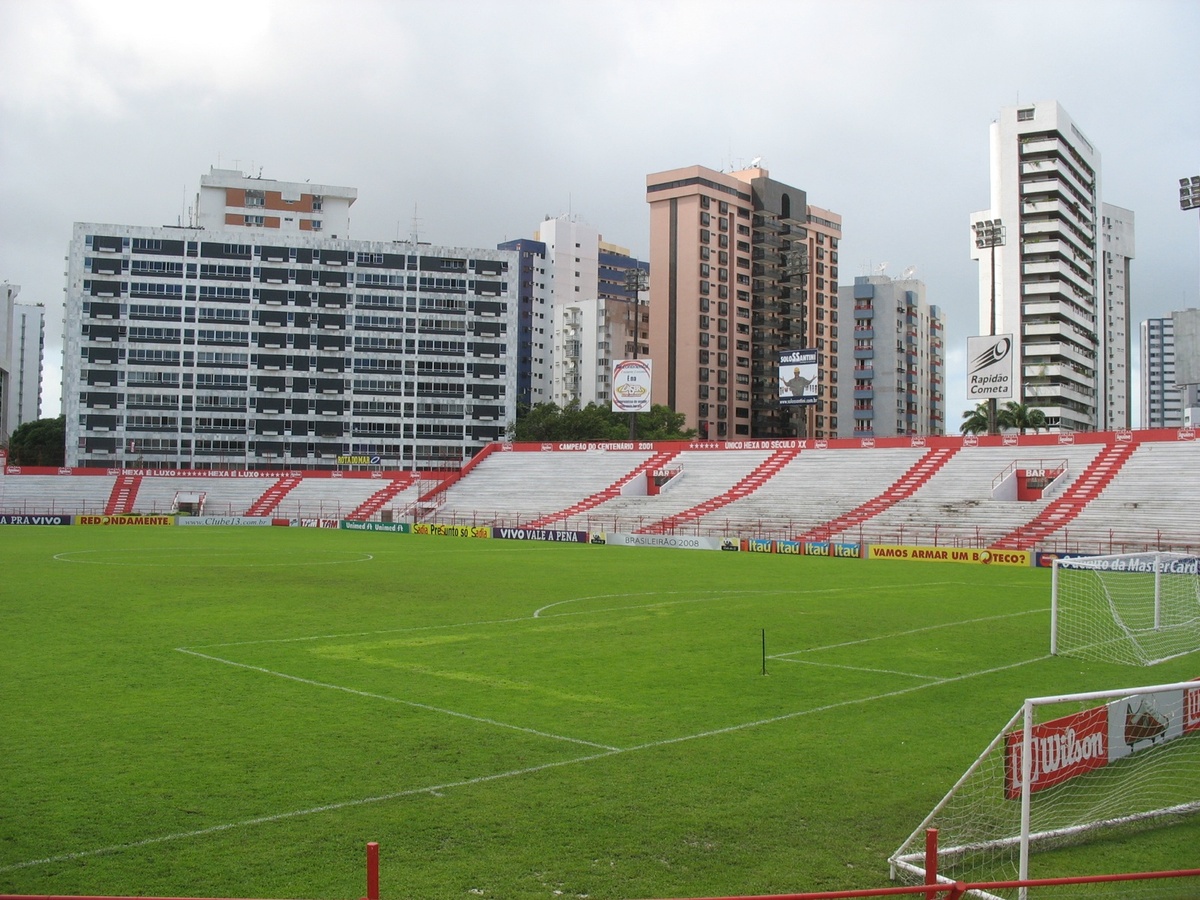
(1189, 193)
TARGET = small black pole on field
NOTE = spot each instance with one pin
(764, 637)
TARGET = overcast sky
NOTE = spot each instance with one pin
(484, 117)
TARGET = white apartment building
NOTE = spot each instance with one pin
(1116, 337)
(263, 346)
(230, 199)
(22, 349)
(1170, 347)
(591, 312)
(1162, 401)
(898, 336)
(1044, 177)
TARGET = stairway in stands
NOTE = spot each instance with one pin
(905, 486)
(123, 495)
(1067, 505)
(375, 502)
(744, 488)
(657, 461)
(273, 496)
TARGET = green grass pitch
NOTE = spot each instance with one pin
(236, 712)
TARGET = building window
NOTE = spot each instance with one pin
(1025, 115)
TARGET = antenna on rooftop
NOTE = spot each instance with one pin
(908, 273)
(416, 223)
(881, 268)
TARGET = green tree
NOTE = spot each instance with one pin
(1021, 417)
(975, 421)
(40, 443)
(549, 422)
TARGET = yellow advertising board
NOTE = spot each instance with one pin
(124, 520)
(982, 556)
(467, 531)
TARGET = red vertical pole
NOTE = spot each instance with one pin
(372, 871)
(931, 860)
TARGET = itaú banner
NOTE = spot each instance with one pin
(1062, 749)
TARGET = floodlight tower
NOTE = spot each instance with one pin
(990, 234)
(637, 280)
(795, 265)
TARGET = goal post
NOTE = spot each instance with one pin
(1063, 771)
(1130, 608)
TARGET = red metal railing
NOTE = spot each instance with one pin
(945, 890)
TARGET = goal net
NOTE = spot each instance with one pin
(1069, 772)
(1136, 608)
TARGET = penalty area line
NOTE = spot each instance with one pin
(411, 703)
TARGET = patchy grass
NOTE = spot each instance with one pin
(236, 712)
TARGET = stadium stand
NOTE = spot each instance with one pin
(515, 488)
(55, 494)
(1153, 502)
(1123, 492)
(701, 476)
(222, 496)
(957, 506)
(1067, 505)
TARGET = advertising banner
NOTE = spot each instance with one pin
(990, 367)
(798, 377)
(673, 541)
(631, 385)
(124, 520)
(540, 534)
(35, 520)
(951, 554)
(248, 521)
(1064, 748)
(392, 527)
(466, 531)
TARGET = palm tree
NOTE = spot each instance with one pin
(1021, 417)
(975, 421)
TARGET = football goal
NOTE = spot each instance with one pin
(1065, 771)
(1135, 608)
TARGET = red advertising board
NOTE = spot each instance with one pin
(1060, 750)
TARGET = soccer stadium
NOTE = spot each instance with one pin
(920, 664)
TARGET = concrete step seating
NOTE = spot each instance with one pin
(222, 496)
(1153, 500)
(703, 475)
(326, 498)
(514, 488)
(816, 487)
(55, 494)
(955, 507)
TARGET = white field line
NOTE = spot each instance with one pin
(536, 615)
(896, 634)
(445, 712)
(483, 779)
(809, 662)
(538, 612)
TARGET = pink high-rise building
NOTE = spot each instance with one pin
(742, 269)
